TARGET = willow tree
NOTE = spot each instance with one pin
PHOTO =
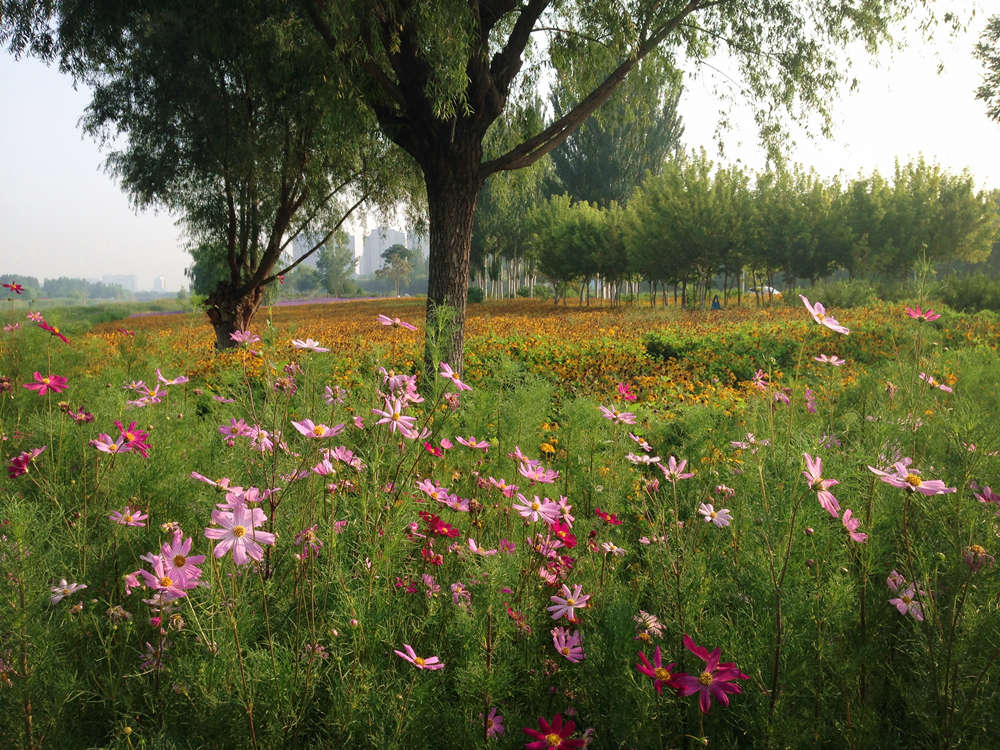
(437, 74)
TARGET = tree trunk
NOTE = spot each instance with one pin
(453, 182)
(229, 312)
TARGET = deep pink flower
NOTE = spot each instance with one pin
(19, 464)
(54, 331)
(924, 316)
(818, 313)
(662, 675)
(45, 383)
(134, 438)
(608, 518)
(16, 288)
(716, 681)
(239, 532)
(554, 736)
(626, 392)
(431, 662)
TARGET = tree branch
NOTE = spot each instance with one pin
(507, 62)
(537, 146)
(318, 245)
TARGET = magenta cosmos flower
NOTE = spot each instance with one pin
(567, 604)
(134, 438)
(568, 644)
(45, 383)
(387, 321)
(493, 723)
(309, 344)
(19, 464)
(922, 316)
(814, 475)
(907, 478)
(554, 736)
(662, 675)
(818, 313)
(431, 662)
(716, 681)
(239, 532)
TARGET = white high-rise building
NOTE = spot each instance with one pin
(377, 242)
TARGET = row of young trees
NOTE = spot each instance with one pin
(694, 222)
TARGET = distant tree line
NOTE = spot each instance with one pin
(695, 224)
(65, 286)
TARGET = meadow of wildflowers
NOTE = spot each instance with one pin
(631, 528)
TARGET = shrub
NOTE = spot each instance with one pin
(475, 294)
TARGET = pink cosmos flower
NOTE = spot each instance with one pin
(176, 381)
(431, 662)
(760, 381)
(626, 392)
(924, 316)
(311, 430)
(397, 421)
(567, 604)
(493, 723)
(239, 533)
(11, 327)
(449, 374)
(935, 384)
(167, 582)
(477, 550)
(907, 478)
(534, 471)
(569, 645)
(720, 518)
(554, 736)
(674, 470)
(818, 313)
(63, 589)
(537, 508)
(895, 580)
(716, 681)
(851, 526)
(35, 317)
(662, 675)
(387, 321)
(244, 337)
(45, 383)
(129, 517)
(829, 359)
(134, 438)
(618, 417)
(508, 490)
(641, 442)
(810, 399)
(988, 496)
(907, 604)
(813, 475)
(309, 344)
(19, 464)
(177, 557)
(643, 459)
(471, 442)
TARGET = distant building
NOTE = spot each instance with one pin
(159, 284)
(125, 281)
(376, 243)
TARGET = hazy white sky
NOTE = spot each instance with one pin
(62, 215)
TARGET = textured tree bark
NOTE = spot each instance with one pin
(453, 181)
(229, 311)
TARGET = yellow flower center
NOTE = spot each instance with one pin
(662, 674)
(913, 480)
(239, 531)
(553, 740)
(564, 651)
(713, 514)
(129, 437)
(705, 678)
(166, 582)
(319, 430)
(906, 598)
(179, 561)
(535, 505)
(113, 448)
(419, 661)
(821, 316)
(66, 592)
(395, 416)
(570, 602)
